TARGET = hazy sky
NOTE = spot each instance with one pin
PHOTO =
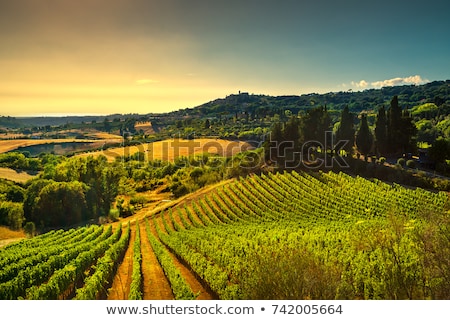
(142, 56)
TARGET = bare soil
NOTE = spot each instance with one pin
(120, 287)
(155, 284)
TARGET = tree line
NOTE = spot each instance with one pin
(393, 135)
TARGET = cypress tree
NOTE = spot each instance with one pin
(364, 138)
(271, 145)
(346, 130)
(292, 131)
(400, 129)
(381, 133)
(394, 127)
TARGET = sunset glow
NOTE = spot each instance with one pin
(119, 56)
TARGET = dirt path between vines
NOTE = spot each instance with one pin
(186, 273)
(191, 280)
(154, 282)
(121, 283)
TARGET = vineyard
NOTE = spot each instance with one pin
(274, 236)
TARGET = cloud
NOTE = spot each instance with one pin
(363, 84)
(360, 84)
(400, 81)
(142, 82)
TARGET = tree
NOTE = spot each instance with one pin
(62, 204)
(408, 133)
(15, 193)
(110, 182)
(364, 138)
(381, 133)
(11, 214)
(400, 129)
(271, 145)
(207, 124)
(31, 199)
(30, 228)
(106, 125)
(346, 130)
(394, 126)
(440, 150)
(291, 132)
(314, 124)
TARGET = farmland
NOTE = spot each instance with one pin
(246, 202)
(271, 236)
(16, 176)
(57, 146)
(169, 150)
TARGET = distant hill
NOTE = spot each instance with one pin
(437, 92)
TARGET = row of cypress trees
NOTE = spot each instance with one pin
(393, 134)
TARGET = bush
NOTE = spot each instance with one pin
(30, 229)
(114, 214)
(411, 164)
(138, 201)
(401, 162)
(11, 214)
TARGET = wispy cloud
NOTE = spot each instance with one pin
(142, 82)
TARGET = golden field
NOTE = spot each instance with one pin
(168, 150)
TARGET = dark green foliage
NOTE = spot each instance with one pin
(31, 200)
(440, 150)
(364, 138)
(11, 214)
(291, 132)
(400, 129)
(271, 145)
(15, 193)
(381, 133)
(62, 204)
(314, 124)
(346, 129)
(30, 229)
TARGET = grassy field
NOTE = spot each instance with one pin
(8, 234)
(16, 176)
(10, 145)
(97, 142)
(169, 150)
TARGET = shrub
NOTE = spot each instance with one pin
(30, 229)
(11, 214)
(411, 164)
(401, 161)
(114, 214)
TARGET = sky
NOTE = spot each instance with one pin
(154, 56)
